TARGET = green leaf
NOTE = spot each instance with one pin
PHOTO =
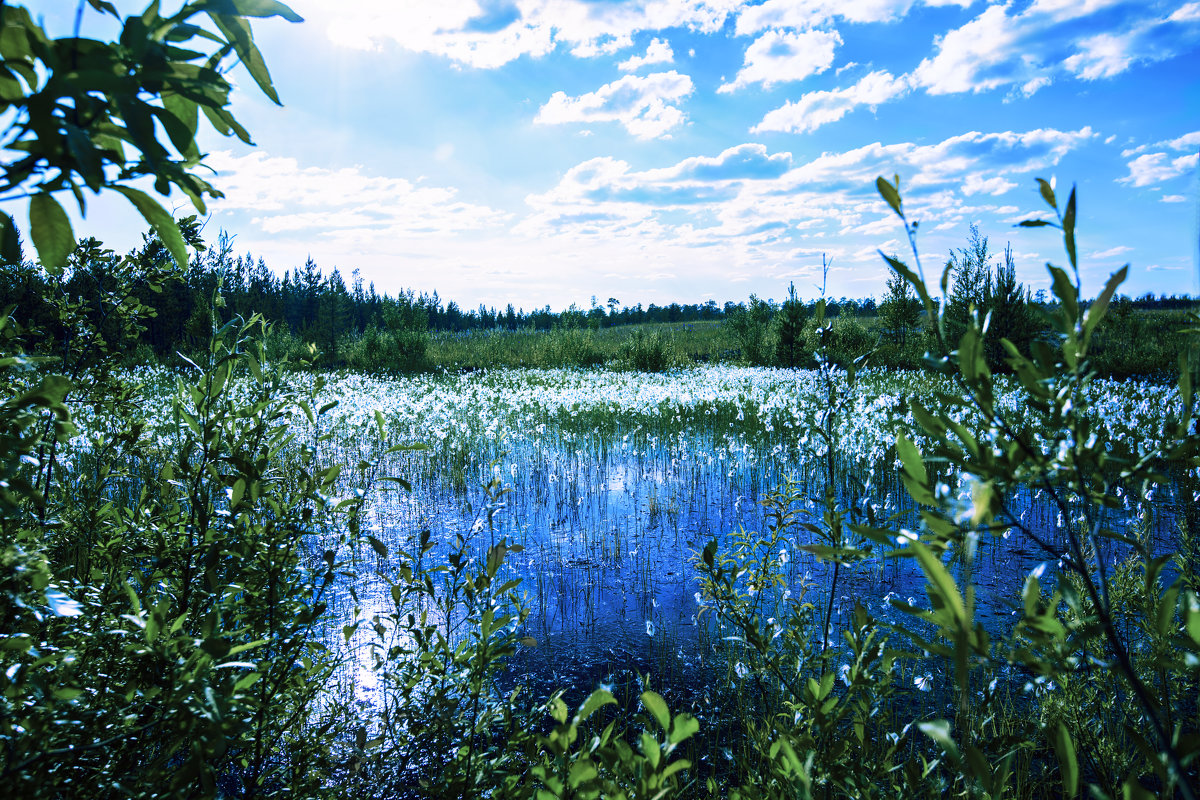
(1065, 291)
(250, 8)
(61, 605)
(160, 221)
(939, 731)
(1097, 310)
(1047, 193)
(10, 243)
(1166, 610)
(405, 485)
(650, 749)
(1034, 223)
(237, 30)
(682, 727)
(1132, 790)
(215, 647)
(595, 701)
(246, 681)
(657, 708)
(915, 478)
(51, 232)
(379, 547)
(407, 448)
(1067, 763)
(890, 193)
(581, 772)
(1068, 225)
(940, 585)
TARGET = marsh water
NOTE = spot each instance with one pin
(609, 528)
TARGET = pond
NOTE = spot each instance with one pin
(612, 484)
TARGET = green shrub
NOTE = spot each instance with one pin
(188, 656)
(648, 352)
(571, 347)
(749, 331)
(844, 338)
(379, 350)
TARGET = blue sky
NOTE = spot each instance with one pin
(545, 151)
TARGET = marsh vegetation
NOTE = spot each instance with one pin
(245, 573)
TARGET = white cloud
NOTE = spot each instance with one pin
(779, 57)
(1186, 13)
(805, 14)
(281, 195)
(602, 45)
(489, 33)
(977, 184)
(1030, 87)
(1002, 46)
(1173, 198)
(999, 47)
(1111, 252)
(965, 56)
(815, 109)
(1103, 55)
(753, 202)
(1189, 141)
(658, 52)
(644, 105)
(1153, 168)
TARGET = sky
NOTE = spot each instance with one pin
(545, 152)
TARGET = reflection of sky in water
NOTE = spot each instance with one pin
(609, 531)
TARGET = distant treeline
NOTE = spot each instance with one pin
(350, 323)
(307, 302)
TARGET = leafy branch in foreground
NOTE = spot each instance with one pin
(1072, 461)
(86, 114)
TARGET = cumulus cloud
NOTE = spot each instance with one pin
(1000, 47)
(779, 57)
(646, 106)
(743, 162)
(658, 52)
(750, 199)
(490, 33)
(281, 195)
(1026, 48)
(1154, 168)
(1187, 142)
(805, 14)
(815, 109)
(978, 184)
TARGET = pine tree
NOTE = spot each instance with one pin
(900, 310)
(1013, 316)
(971, 269)
(790, 348)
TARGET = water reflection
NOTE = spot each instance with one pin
(609, 529)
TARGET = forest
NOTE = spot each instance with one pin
(352, 325)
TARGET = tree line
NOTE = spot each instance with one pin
(338, 321)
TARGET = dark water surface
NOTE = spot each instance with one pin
(609, 535)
